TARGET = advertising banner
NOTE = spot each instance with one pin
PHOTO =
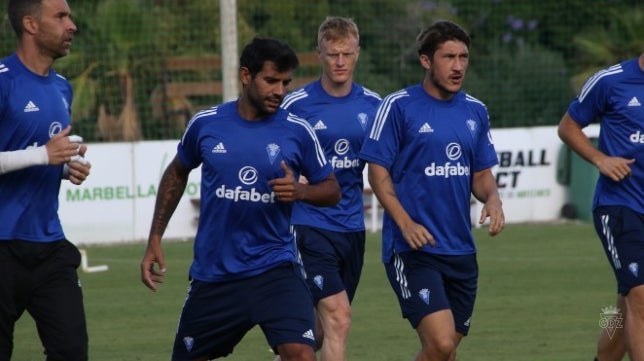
(116, 203)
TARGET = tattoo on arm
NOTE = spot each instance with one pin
(171, 188)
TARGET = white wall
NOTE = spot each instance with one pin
(527, 173)
(116, 202)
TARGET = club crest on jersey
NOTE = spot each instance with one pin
(471, 124)
(273, 151)
(473, 127)
(424, 295)
(362, 118)
(319, 281)
(189, 342)
(634, 268)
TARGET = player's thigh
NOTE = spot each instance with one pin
(284, 308)
(418, 285)
(437, 330)
(15, 289)
(353, 261)
(321, 261)
(214, 319)
(335, 308)
(635, 304)
(57, 305)
(333, 260)
(460, 276)
(621, 231)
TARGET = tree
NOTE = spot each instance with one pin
(603, 46)
(103, 67)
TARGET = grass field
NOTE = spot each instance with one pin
(541, 290)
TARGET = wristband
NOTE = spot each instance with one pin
(24, 158)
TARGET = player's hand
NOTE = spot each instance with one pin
(615, 168)
(61, 148)
(78, 170)
(417, 236)
(151, 276)
(285, 188)
(493, 210)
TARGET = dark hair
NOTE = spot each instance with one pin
(436, 34)
(261, 50)
(18, 9)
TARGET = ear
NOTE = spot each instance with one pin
(425, 62)
(244, 76)
(30, 24)
(320, 54)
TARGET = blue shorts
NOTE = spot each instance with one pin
(332, 260)
(217, 315)
(425, 283)
(621, 231)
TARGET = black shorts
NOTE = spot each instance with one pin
(41, 278)
(425, 283)
(333, 260)
(621, 231)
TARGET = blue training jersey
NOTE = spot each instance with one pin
(431, 149)
(33, 108)
(243, 230)
(615, 96)
(341, 124)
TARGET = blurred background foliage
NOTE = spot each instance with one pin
(528, 58)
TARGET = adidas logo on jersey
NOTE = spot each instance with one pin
(425, 129)
(309, 334)
(319, 125)
(634, 102)
(31, 107)
(219, 148)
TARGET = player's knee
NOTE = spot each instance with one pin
(344, 325)
(296, 352)
(339, 322)
(442, 348)
(70, 345)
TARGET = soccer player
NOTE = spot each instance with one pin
(245, 271)
(37, 263)
(429, 149)
(615, 96)
(331, 240)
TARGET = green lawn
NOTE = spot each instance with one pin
(541, 291)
